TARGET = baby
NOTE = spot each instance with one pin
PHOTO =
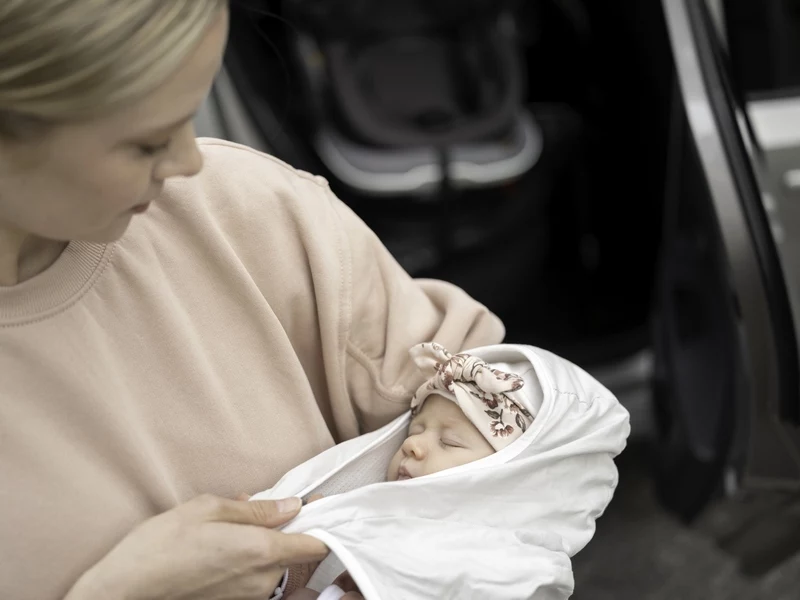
(440, 437)
(465, 411)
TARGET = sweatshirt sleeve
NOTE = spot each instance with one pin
(349, 310)
(389, 312)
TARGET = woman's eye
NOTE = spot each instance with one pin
(153, 149)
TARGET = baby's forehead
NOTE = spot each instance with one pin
(445, 412)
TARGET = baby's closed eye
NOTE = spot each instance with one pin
(450, 443)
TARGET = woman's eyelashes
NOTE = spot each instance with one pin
(154, 149)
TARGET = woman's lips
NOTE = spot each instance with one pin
(140, 208)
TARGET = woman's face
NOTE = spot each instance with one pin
(86, 181)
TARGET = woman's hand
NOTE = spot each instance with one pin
(209, 548)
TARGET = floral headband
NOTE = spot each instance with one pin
(486, 395)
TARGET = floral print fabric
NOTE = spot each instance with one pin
(485, 394)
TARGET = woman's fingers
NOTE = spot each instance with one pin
(283, 550)
(313, 498)
(270, 513)
(263, 513)
(296, 549)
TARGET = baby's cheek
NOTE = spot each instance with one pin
(391, 472)
(470, 457)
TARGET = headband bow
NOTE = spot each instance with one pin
(485, 394)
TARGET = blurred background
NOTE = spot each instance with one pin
(619, 182)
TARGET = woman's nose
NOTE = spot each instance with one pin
(415, 446)
(183, 159)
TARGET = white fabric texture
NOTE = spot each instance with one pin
(332, 592)
(501, 528)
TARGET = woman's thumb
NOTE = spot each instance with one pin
(270, 512)
(264, 513)
(298, 549)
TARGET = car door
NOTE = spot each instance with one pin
(727, 372)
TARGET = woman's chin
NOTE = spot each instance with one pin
(110, 234)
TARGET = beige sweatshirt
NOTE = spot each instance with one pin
(247, 322)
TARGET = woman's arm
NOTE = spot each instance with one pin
(350, 309)
(389, 313)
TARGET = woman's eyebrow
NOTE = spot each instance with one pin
(170, 126)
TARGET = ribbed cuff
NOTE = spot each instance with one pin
(278, 593)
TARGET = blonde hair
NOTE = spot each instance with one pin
(67, 60)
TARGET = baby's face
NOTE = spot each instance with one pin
(440, 437)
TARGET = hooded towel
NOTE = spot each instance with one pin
(500, 528)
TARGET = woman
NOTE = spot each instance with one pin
(171, 337)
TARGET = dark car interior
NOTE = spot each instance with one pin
(565, 253)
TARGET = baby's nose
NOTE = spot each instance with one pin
(415, 446)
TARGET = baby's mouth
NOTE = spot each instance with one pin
(403, 474)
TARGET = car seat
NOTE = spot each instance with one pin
(409, 93)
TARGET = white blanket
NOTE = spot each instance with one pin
(501, 528)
